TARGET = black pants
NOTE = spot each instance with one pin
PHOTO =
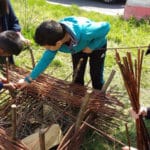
(3, 60)
(96, 61)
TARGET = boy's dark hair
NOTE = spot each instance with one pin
(10, 42)
(49, 32)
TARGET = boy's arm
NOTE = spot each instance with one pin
(128, 148)
(46, 59)
(1, 85)
(144, 111)
(7, 85)
(2, 81)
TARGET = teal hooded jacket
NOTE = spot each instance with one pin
(84, 33)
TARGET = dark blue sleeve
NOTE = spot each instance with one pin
(13, 22)
(1, 85)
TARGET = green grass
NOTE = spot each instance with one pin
(123, 33)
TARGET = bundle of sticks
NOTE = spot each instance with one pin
(131, 73)
(7, 143)
(64, 100)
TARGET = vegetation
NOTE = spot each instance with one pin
(131, 33)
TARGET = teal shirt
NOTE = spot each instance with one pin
(84, 33)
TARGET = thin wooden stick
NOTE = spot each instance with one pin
(32, 56)
(7, 69)
(13, 107)
(127, 133)
(82, 110)
(104, 88)
(104, 134)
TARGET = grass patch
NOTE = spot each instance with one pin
(123, 33)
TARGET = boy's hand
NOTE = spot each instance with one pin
(87, 50)
(142, 111)
(9, 85)
(3, 80)
(127, 148)
(133, 114)
(21, 84)
(24, 40)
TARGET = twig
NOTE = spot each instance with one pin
(13, 107)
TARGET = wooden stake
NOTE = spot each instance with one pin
(82, 110)
(104, 88)
(42, 139)
(13, 107)
(127, 133)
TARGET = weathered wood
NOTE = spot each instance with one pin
(42, 139)
(63, 98)
(14, 117)
(132, 77)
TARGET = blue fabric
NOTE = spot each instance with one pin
(84, 32)
(10, 21)
(27, 79)
(46, 59)
(1, 85)
(87, 33)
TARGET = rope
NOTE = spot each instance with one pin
(127, 47)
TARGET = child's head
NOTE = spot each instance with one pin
(10, 43)
(49, 33)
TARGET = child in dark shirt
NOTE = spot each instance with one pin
(9, 21)
(10, 44)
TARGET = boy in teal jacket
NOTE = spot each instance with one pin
(79, 36)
